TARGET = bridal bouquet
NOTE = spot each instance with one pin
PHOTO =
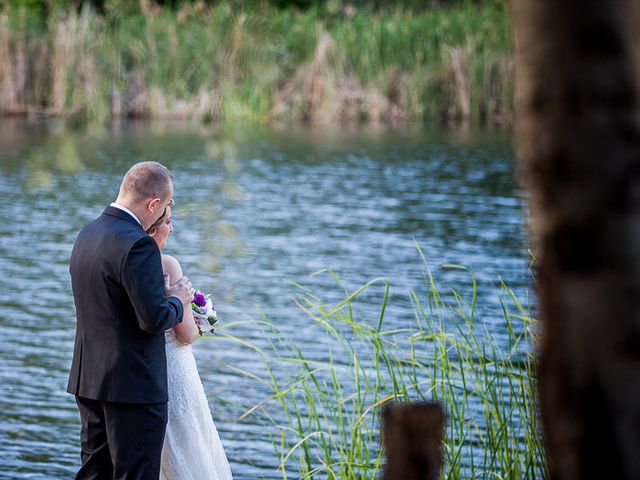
(205, 313)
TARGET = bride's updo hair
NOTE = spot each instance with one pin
(154, 226)
(146, 180)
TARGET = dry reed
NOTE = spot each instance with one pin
(458, 70)
(8, 94)
(229, 62)
(325, 91)
(62, 60)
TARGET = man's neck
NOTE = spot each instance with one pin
(127, 208)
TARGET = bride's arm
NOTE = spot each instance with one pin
(187, 330)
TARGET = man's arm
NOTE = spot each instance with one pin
(143, 280)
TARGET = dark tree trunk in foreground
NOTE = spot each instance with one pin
(579, 141)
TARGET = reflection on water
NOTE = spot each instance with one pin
(255, 208)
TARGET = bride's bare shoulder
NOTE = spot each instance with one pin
(171, 266)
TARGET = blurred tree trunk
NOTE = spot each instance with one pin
(579, 142)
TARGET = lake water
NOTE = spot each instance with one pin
(256, 207)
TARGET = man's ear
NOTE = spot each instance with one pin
(153, 204)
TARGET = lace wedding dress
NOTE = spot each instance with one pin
(192, 449)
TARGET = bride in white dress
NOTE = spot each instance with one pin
(192, 449)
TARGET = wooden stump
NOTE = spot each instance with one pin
(412, 437)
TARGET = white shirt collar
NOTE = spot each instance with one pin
(125, 209)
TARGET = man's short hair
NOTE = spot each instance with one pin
(147, 180)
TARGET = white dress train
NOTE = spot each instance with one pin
(192, 448)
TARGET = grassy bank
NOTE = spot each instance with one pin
(259, 63)
(326, 404)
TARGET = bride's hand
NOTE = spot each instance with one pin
(182, 289)
(201, 320)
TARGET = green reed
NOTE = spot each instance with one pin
(259, 62)
(326, 401)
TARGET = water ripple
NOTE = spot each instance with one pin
(277, 206)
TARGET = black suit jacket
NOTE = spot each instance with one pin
(122, 312)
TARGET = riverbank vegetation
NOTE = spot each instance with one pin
(225, 61)
(479, 362)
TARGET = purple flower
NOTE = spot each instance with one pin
(199, 299)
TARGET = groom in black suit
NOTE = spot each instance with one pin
(119, 372)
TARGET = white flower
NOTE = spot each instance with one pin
(206, 316)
